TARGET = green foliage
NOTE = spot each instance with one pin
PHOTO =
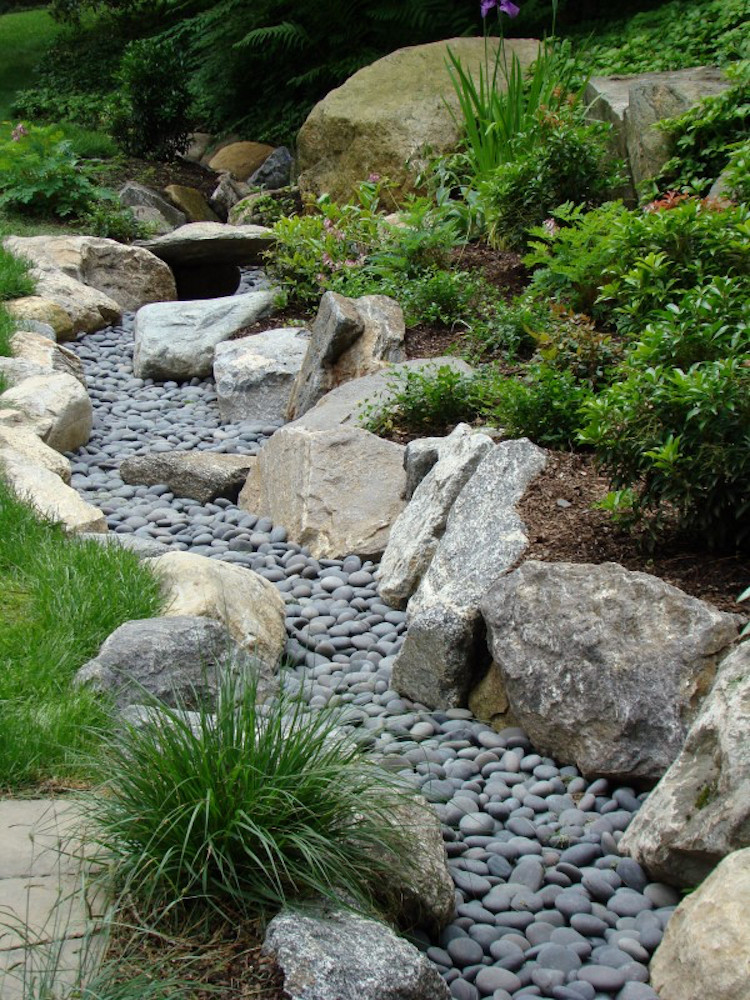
(423, 402)
(7, 329)
(737, 172)
(560, 158)
(570, 342)
(151, 111)
(24, 35)
(106, 217)
(508, 328)
(675, 35)
(48, 103)
(40, 174)
(15, 280)
(61, 599)
(705, 136)
(246, 807)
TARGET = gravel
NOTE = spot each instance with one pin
(545, 905)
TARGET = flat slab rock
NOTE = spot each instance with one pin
(200, 475)
(211, 243)
(334, 954)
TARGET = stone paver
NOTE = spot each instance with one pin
(49, 909)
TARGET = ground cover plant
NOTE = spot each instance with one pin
(61, 599)
(24, 37)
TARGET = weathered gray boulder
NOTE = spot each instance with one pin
(178, 660)
(211, 243)
(13, 371)
(633, 104)
(300, 480)
(144, 548)
(417, 531)
(150, 207)
(227, 193)
(700, 810)
(705, 953)
(349, 338)
(34, 309)
(384, 117)
(420, 456)
(345, 405)
(48, 494)
(254, 375)
(275, 171)
(34, 348)
(94, 280)
(334, 954)
(603, 667)
(23, 440)
(201, 475)
(248, 605)
(60, 403)
(176, 340)
(444, 655)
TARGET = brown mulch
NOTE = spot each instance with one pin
(502, 268)
(160, 175)
(576, 533)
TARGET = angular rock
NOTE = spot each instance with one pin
(248, 605)
(200, 475)
(211, 243)
(488, 700)
(48, 494)
(30, 446)
(349, 135)
(346, 405)
(176, 340)
(39, 350)
(254, 375)
(603, 667)
(420, 456)
(177, 660)
(443, 655)
(302, 476)
(700, 810)
(226, 194)
(41, 310)
(199, 143)
(190, 203)
(350, 338)
(705, 952)
(275, 171)
(151, 207)
(240, 159)
(334, 954)
(144, 548)
(94, 280)
(60, 403)
(417, 531)
(632, 104)
(13, 371)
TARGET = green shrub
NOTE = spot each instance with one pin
(681, 441)
(40, 174)
(151, 111)
(705, 136)
(423, 403)
(737, 172)
(570, 342)
(107, 218)
(245, 808)
(559, 159)
(50, 104)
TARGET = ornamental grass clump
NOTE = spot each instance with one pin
(236, 810)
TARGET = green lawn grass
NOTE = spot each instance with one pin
(24, 36)
(61, 598)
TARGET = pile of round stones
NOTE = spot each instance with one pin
(546, 907)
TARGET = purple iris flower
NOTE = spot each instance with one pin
(504, 6)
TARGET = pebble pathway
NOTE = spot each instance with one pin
(546, 906)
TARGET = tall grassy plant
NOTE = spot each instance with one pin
(244, 809)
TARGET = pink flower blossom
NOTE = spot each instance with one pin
(19, 131)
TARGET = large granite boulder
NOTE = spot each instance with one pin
(418, 530)
(36, 309)
(94, 280)
(190, 203)
(178, 660)
(240, 159)
(633, 104)
(24, 441)
(328, 953)
(345, 405)
(350, 338)
(34, 348)
(150, 207)
(254, 375)
(387, 114)
(700, 810)
(61, 405)
(705, 954)
(248, 605)
(604, 668)
(444, 653)
(176, 340)
(302, 477)
(201, 475)
(211, 243)
(48, 494)
(13, 371)
(275, 172)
